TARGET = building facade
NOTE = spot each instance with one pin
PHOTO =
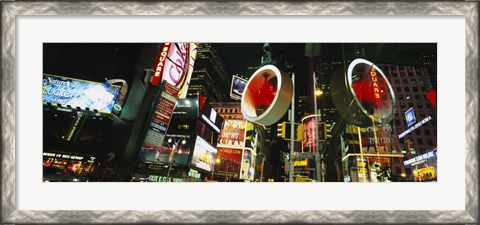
(209, 77)
(411, 85)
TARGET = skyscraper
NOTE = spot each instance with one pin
(209, 77)
(410, 85)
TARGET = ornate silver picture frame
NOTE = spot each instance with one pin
(11, 10)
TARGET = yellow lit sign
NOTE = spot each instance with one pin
(373, 76)
(300, 163)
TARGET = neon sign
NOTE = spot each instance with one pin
(371, 90)
(160, 63)
(376, 90)
(175, 65)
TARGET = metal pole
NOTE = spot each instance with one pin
(263, 166)
(361, 154)
(292, 131)
(170, 161)
(317, 154)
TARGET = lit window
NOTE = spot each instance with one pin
(413, 151)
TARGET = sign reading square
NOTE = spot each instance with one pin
(410, 116)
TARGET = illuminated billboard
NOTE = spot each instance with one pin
(175, 65)
(232, 134)
(309, 136)
(378, 136)
(204, 155)
(229, 160)
(237, 88)
(58, 90)
(160, 154)
(154, 154)
(247, 170)
(186, 108)
(375, 139)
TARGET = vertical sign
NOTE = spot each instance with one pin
(162, 115)
(159, 67)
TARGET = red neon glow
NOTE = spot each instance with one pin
(432, 96)
(265, 96)
(201, 100)
(368, 91)
(160, 65)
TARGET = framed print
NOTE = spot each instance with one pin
(212, 169)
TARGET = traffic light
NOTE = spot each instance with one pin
(328, 130)
(250, 134)
(299, 132)
(281, 130)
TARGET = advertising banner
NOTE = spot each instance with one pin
(309, 141)
(304, 164)
(160, 154)
(237, 88)
(247, 170)
(175, 65)
(229, 160)
(204, 155)
(154, 154)
(161, 117)
(79, 93)
(380, 138)
(186, 108)
(232, 134)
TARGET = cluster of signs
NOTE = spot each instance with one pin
(161, 117)
(410, 118)
(234, 156)
(174, 65)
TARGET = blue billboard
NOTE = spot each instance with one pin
(79, 93)
(410, 117)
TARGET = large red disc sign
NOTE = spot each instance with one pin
(363, 94)
(267, 96)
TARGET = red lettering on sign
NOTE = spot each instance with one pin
(160, 64)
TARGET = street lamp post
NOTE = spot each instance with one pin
(217, 161)
(263, 166)
(317, 153)
(292, 132)
(172, 153)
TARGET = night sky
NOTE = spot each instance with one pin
(236, 56)
(95, 61)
